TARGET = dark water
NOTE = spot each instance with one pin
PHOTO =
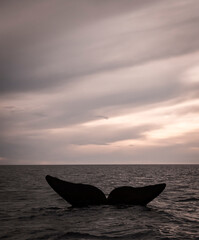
(30, 209)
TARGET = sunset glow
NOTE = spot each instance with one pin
(99, 84)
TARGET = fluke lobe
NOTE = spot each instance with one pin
(80, 195)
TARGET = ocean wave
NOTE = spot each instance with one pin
(79, 235)
(29, 214)
(45, 208)
(189, 200)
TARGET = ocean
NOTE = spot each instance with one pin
(30, 209)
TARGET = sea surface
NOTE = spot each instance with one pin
(30, 209)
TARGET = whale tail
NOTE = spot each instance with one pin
(79, 195)
(135, 196)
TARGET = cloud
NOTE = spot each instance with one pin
(37, 50)
(84, 81)
(50, 46)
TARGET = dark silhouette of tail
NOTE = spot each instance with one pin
(79, 195)
(135, 196)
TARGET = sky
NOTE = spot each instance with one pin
(99, 82)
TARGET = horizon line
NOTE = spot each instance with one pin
(100, 164)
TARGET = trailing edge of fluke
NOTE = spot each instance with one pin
(80, 195)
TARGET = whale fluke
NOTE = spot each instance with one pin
(135, 196)
(79, 195)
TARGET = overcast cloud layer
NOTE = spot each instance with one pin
(99, 82)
